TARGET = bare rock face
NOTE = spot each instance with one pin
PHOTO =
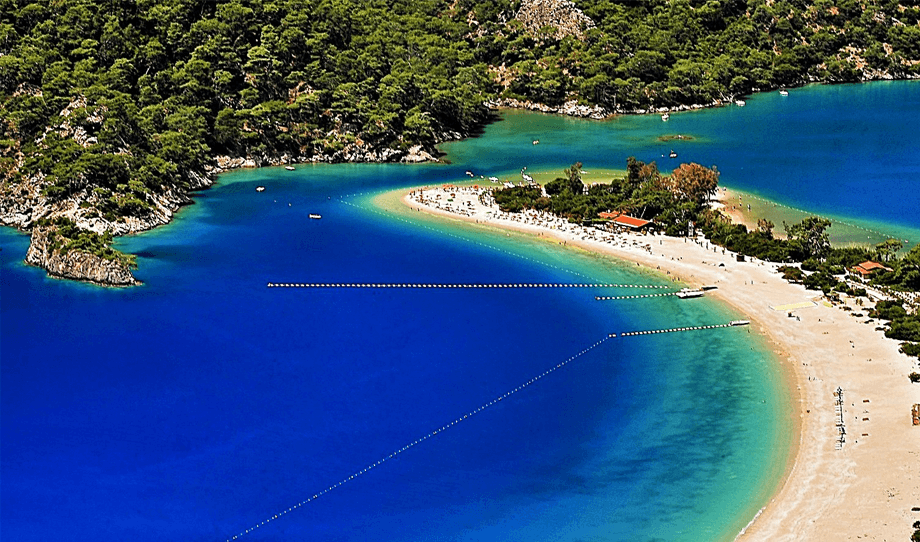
(562, 15)
(417, 154)
(76, 265)
(570, 108)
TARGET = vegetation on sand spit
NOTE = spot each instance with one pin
(678, 204)
(120, 107)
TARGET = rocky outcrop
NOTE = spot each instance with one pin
(571, 108)
(25, 204)
(76, 265)
(355, 152)
(417, 154)
(562, 15)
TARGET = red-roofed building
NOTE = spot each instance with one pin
(866, 268)
(623, 220)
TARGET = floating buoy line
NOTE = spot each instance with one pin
(611, 297)
(733, 323)
(498, 399)
(459, 419)
(410, 445)
(833, 220)
(467, 285)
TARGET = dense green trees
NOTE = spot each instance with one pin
(673, 201)
(809, 237)
(154, 89)
(177, 81)
(654, 54)
(65, 236)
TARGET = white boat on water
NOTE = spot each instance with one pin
(739, 103)
(672, 154)
(315, 216)
(665, 116)
(784, 92)
(687, 293)
(289, 168)
(260, 189)
(739, 322)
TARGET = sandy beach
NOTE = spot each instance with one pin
(863, 488)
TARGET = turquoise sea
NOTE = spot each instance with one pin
(203, 403)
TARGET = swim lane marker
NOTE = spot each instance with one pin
(408, 446)
(453, 285)
(609, 297)
(735, 323)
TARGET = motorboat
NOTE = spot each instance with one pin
(739, 322)
(666, 116)
(784, 92)
(315, 216)
(289, 168)
(739, 103)
(260, 189)
(672, 154)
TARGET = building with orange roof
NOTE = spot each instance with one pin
(867, 267)
(621, 219)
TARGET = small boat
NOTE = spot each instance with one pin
(672, 154)
(783, 92)
(739, 322)
(687, 293)
(469, 173)
(493, 179)
(260, 189)
(315, 216)
(739, 103)
(665, 116)
(289, 168)
(536, 141)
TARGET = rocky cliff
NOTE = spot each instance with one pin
(570, 108)
(75, 264)
(562, 15)
(26, 204)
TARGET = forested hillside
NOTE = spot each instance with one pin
(111, 111)
(659, 53)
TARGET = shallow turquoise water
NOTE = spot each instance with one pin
(203, 403)
(845, 151)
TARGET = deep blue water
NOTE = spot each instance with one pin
(203, 403)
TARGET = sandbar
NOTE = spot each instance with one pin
(863, 488)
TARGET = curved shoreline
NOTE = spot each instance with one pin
(868, 486)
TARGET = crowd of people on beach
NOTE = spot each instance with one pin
(477, 202)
